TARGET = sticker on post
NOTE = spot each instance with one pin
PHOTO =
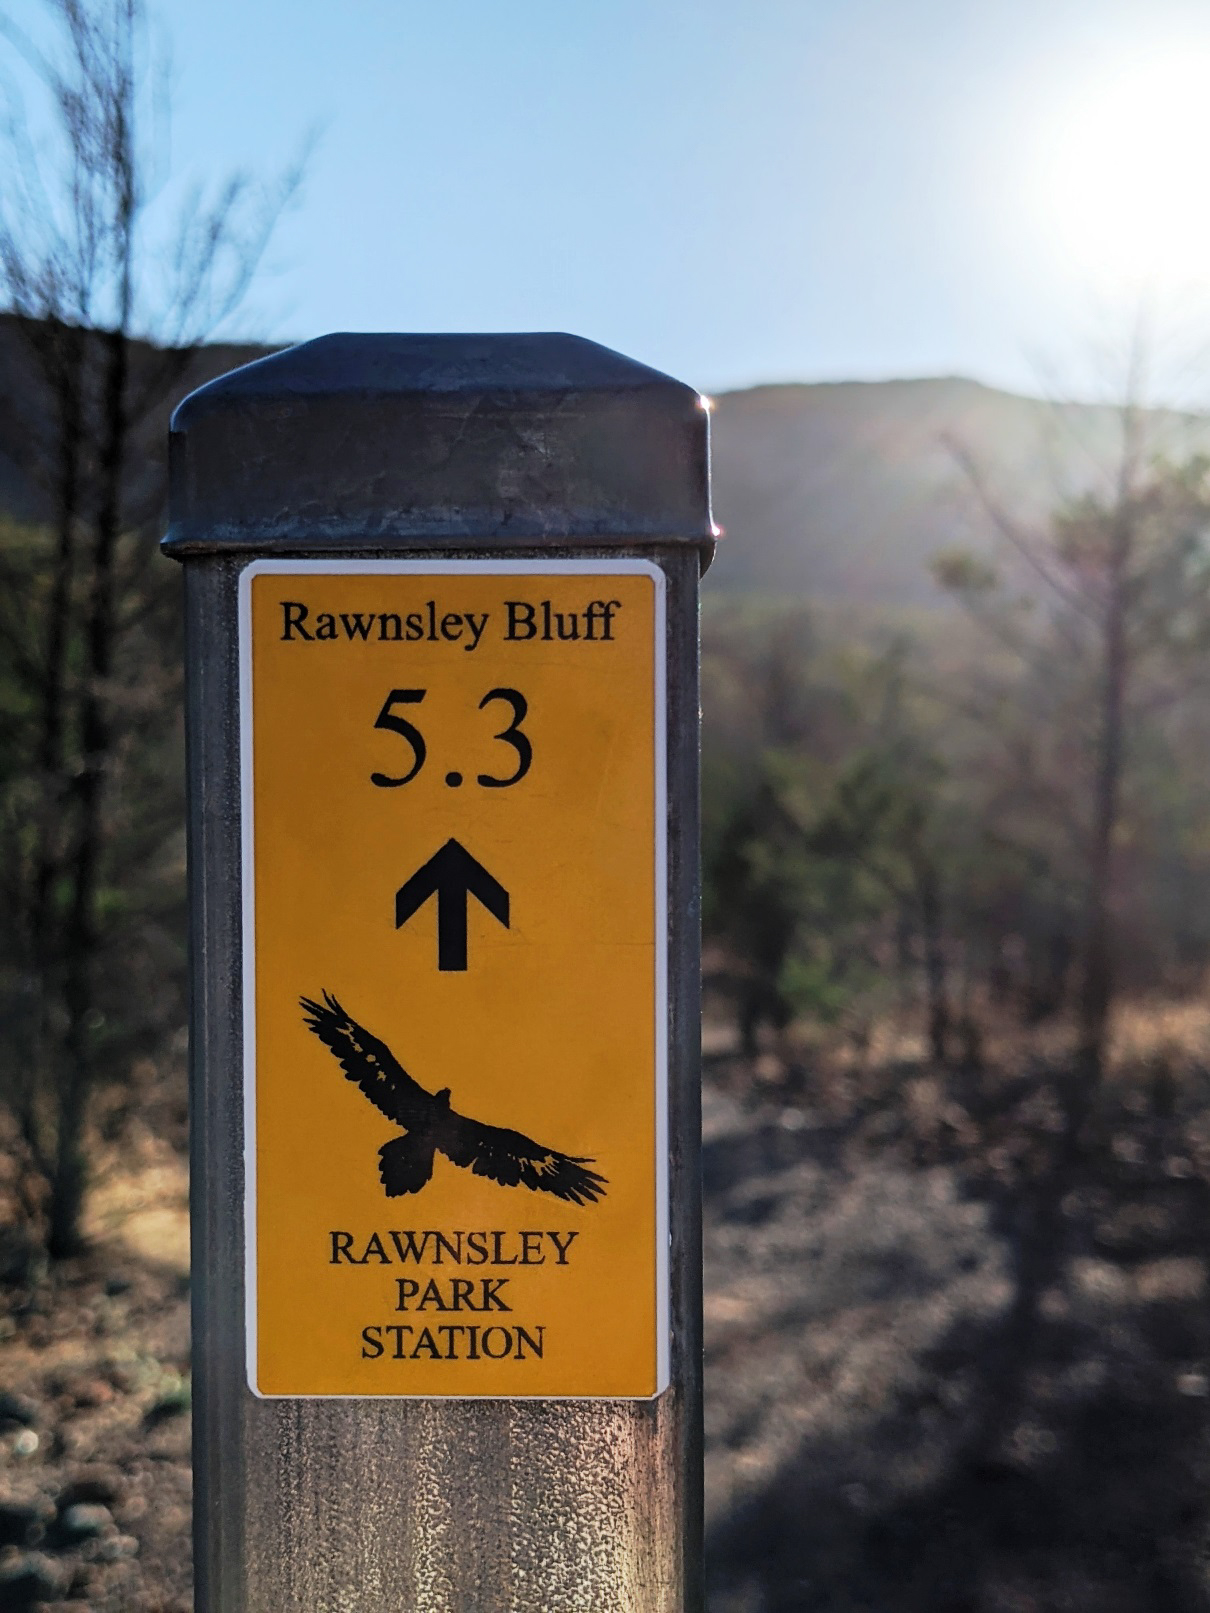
(454, 978)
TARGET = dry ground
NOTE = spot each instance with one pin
(891, 1428)
(873, 1443)
(94, 1404)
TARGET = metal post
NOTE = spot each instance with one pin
(441, 601)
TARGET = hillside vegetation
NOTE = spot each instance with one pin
(845, 490)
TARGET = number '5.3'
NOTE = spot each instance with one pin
(390, 719)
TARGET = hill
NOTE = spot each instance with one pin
(843, 490)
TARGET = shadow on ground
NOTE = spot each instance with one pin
(934, 1383)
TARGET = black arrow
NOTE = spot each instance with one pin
(453, 876)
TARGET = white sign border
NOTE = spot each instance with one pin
(532, 568)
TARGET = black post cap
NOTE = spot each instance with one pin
(397, 443)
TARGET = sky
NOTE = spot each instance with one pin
(759, 190)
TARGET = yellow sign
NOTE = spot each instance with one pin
(454, 977)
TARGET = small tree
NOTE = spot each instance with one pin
(883, 824)
(831, 843)
(88, 267)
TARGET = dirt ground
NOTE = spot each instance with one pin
(931, 1389)
(888, 1430)
(95, 1491)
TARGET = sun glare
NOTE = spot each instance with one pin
(1125, 176)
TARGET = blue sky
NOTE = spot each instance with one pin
(758, 190)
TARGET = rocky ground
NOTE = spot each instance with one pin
(885, 1432)
(94, 1441)
(94, 1404)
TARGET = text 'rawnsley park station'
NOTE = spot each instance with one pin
(426, 1298)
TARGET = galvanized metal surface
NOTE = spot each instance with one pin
(376, 1506)
(494, 442)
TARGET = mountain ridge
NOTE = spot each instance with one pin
(838, 489)
(845, 489)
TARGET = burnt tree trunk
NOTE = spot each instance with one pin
(62, 350)
(936, 983)
(1095, 1001)
(96, 736)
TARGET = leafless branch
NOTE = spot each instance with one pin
(1008, 529)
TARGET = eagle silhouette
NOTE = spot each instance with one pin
(431, 1126)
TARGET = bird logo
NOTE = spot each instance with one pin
(431, 1126)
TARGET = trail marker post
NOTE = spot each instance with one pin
(442, 716)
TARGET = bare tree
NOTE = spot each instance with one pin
(1114, 630)
(112, 305)
(1115, 626)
